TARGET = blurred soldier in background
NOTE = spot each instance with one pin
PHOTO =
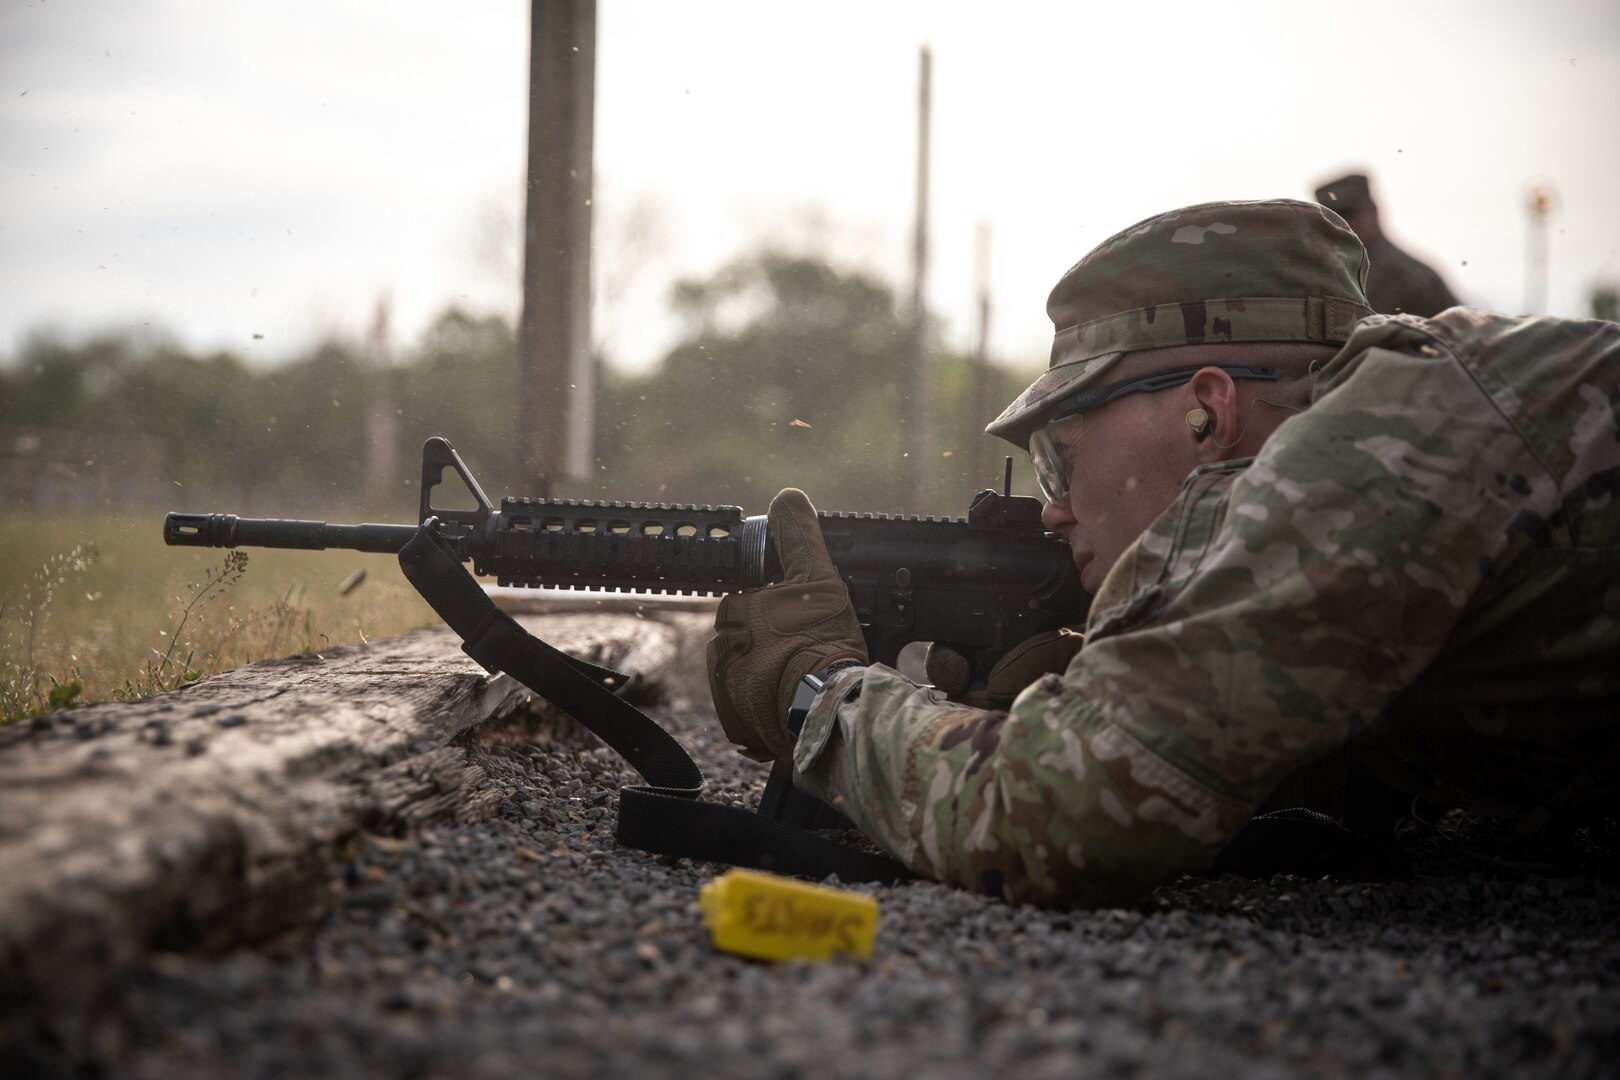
(1397, 283)
(1307, 527)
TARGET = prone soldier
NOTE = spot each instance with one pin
(1306, 527)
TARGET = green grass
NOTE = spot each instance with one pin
(99, 608)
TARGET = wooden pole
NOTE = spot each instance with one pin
(556, 381)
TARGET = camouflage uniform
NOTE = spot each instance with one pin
(1426, 561)
(1398, 282)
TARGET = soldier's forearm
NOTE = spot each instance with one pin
(1046, 803)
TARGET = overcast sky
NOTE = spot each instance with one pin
(255, 175)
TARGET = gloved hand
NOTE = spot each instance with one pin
(767, 639)
(1045, 653)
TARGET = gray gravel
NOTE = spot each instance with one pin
(532, 945)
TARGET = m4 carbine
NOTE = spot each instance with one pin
(971, 587)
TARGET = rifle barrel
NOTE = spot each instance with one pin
(229, 531)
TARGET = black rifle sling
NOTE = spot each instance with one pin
(665, 816)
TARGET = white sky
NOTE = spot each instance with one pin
(227, 170)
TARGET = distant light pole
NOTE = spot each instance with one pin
(1541, 202)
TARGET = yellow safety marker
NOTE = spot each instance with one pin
(775, 918)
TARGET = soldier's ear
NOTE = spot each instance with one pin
(1214, 395)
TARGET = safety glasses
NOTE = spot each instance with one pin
(1052, 464)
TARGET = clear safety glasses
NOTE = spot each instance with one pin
(1052, 464)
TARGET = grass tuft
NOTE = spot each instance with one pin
(27, 688)
(121, 616)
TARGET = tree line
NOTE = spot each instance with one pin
(788, 373)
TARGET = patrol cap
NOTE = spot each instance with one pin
(1277, 270)
(1345, 195)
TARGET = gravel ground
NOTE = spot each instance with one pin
(532, 945)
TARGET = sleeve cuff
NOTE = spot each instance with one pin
(822, 719)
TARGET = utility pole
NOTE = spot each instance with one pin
(382, 416)
(915, 410)
(981, 356)
(556, 379)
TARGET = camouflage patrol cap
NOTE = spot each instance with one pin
(1279, 270)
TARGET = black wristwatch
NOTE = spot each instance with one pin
(809, 687)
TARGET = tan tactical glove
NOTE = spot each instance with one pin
(1044, 654)
(766, 640)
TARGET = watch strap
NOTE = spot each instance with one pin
(810, 688)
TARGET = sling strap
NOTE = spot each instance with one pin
(1302, 841)
(666, 815)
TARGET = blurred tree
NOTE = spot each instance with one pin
(196, 410)
(200, 409)
(460, 381)
(772, 386)
(57, 384)
(313, 411)
(1605, 300)
(788, 376)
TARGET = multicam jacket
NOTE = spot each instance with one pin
(1426, 561)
